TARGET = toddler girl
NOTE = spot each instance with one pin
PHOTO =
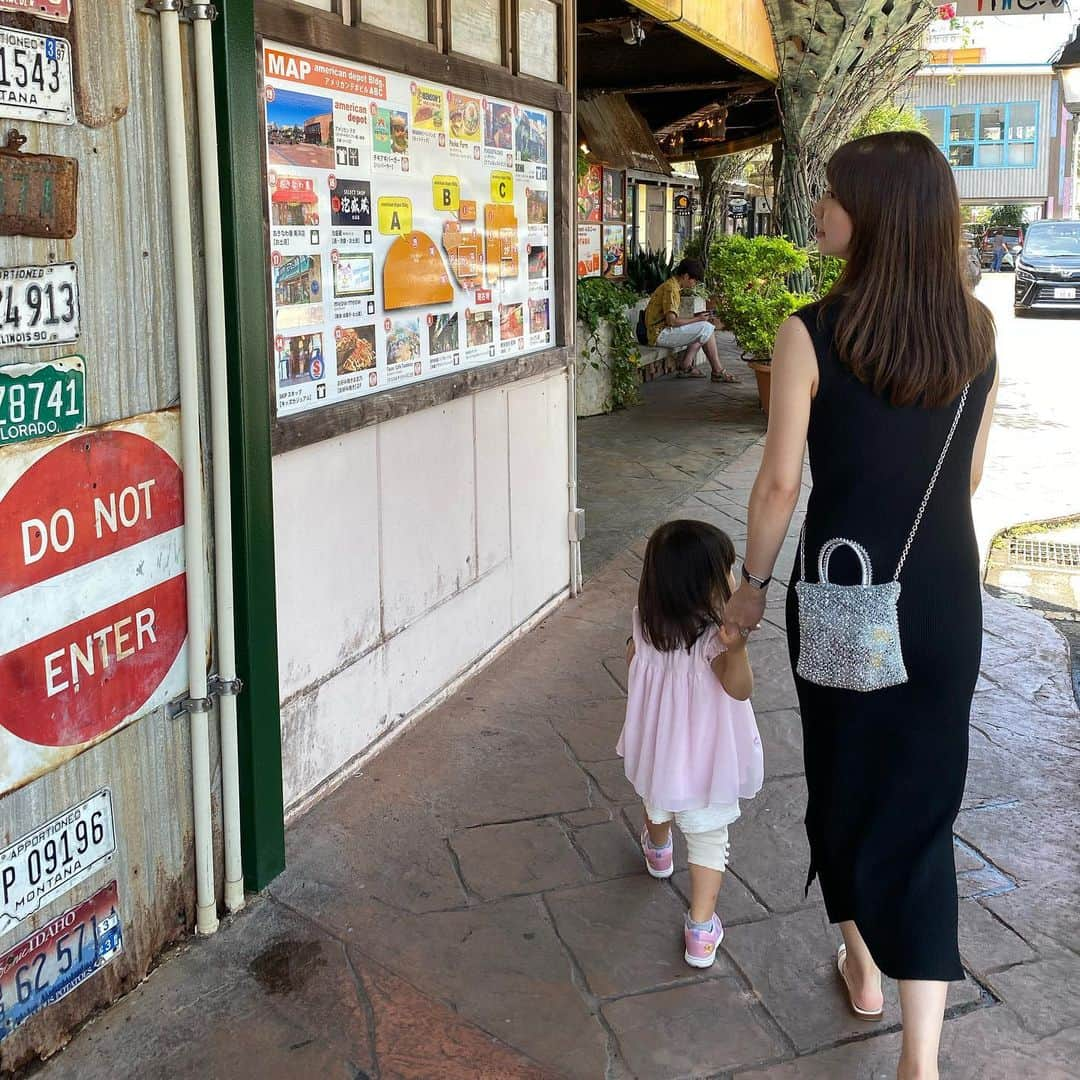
(690, 743)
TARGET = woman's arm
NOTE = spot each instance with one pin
(978, 457)
(779, 480)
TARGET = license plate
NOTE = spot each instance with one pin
(53, 961)
(1065, 294)
(55, 857)
(56, 10)
(42, 399)
(35, 77)
(39, 305)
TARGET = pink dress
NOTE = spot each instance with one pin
(687, 743)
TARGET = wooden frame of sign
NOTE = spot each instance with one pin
(327, 32)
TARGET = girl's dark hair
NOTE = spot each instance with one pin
(684, 584)
(907, 324)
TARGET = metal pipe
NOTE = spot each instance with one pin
(569, 189)
(206, 920)
(221, 476)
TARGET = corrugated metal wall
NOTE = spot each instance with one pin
(123, 252)
(986, 89)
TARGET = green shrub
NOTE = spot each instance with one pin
(751, 278)
(647, 270)
(824, 269)
(602, 301)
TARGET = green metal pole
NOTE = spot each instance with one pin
(262, 821)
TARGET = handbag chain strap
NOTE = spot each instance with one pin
(922, 506)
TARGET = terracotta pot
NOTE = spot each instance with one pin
(763, 374)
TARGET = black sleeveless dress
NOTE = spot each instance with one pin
(885, 770)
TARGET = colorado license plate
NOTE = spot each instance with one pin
(53, 961)
(55, 857)
(35, 77)
(1065, 294)
(42, 399)
(39, 305)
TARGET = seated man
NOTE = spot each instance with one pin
(668, 330)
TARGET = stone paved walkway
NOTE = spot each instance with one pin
(473, 904)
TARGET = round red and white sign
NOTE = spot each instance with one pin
(93, 614)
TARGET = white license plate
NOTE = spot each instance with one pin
(39, 305)
(35, 77)
(53, 858)
(1067, 293)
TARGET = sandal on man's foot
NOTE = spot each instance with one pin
(689, 373)
(873, 1015)
(723, 376)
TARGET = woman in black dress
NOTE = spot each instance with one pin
(871, 379)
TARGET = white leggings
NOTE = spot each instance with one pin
(706, 832)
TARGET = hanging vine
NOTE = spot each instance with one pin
(602, 303)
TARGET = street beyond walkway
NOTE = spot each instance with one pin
(473, 903)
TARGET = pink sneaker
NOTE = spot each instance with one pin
(701, 944)
(660, 862)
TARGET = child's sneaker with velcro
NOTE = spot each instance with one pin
(701, 943)
(660, 862)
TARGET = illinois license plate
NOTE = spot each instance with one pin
(35, 77)
(52, 859)
(53, 961)
(42, 399)
(39, 305)
(1065, 294)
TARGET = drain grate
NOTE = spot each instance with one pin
(1025, 552)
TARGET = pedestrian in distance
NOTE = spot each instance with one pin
(890, 380)
(665, 327)
(690, 743)
(999, 249)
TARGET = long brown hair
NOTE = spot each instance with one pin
(684, 583)
(906, 323)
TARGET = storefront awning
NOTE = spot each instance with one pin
(305, 197)
(617, 135)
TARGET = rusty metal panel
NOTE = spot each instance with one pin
(123, 250)
(39, 193)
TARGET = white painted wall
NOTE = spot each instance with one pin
(405, 553)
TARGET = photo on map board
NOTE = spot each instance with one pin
(298, 292)
(355, 349)
(538, 262)
(511, 321)
(354, 274)
(498, 126)
(442, 333)
(403, 342)
(532, 129)
(300, 359)
(299, 129)
(479, 328)
(536, 206)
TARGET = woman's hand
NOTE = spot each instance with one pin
(745, 609)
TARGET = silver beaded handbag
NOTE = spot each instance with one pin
(849, 635)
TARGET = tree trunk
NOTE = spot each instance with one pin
(711, 204)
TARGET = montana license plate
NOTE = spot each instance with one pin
(35, 77)
(39, 305)
(50, 963)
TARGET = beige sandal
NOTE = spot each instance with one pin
(862, 1014)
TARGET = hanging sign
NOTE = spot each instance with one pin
(42, 399)
(50, 963)
(55, 857)
(39, 305)
(55, 10)
(93, 614)
(35, 77)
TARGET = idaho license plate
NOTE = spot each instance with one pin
(50, 963)
(39, 305)
(1068, 293)
(42, 399)
(35, 77)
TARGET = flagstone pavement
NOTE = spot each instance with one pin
(473, 904)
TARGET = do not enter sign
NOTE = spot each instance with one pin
(93, 613)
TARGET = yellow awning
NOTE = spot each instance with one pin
(739, 31)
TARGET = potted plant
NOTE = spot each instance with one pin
(751, 276)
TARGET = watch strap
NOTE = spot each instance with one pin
(758, 583)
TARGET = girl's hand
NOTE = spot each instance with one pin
(744, 610)
(731, 638)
